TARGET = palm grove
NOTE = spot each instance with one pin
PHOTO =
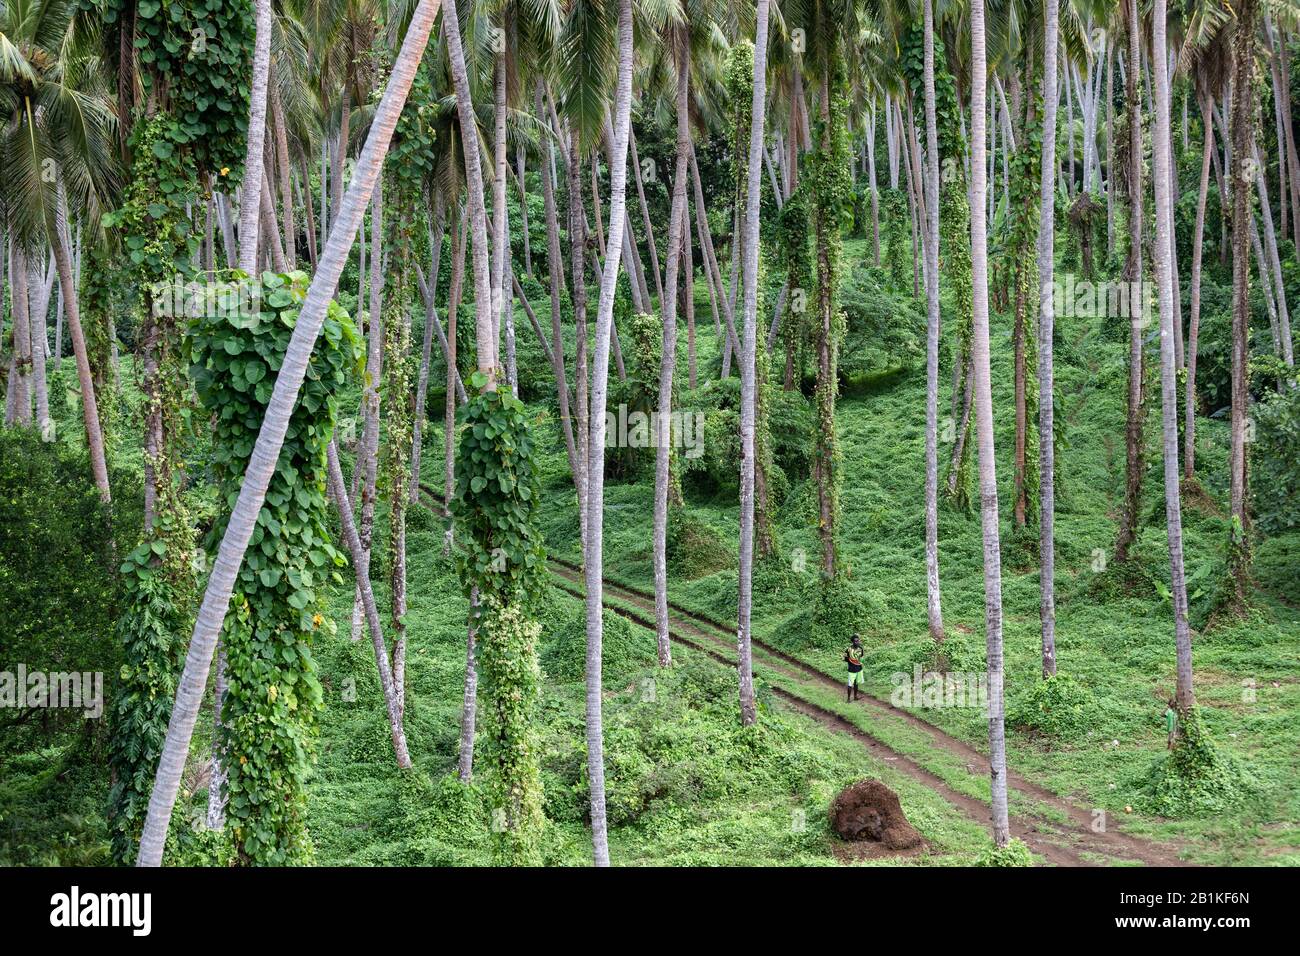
(193, 191)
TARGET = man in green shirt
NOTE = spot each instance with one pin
(853, 657)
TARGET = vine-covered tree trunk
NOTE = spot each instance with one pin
(1046, 327)
(1134, 277)
(934, 610)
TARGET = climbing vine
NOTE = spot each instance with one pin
(495, 510)
(831, 192)
(272, 693)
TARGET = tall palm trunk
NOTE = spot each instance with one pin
(285, 172)
(270, 439)
(250, 205)
(748, 358)
(1194, 321)
(668, 359)
(484, 324)
(593, 558)
(499, 289)
(40, 341)
(367, 464)
(1162, 255)
(984, 429)
(934, 610)
(1243, 149)
(1134, 284)
(426, 348)
(1046, 323)
(555, 273)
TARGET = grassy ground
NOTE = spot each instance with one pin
(686, 784)
(1115, 640)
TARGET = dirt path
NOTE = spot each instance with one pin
(1069, 843)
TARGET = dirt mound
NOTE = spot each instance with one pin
(868, 810)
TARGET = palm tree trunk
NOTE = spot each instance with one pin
(39, 346)
(484, 299)
(645, 219)
(367, 464)
(388, 682)
(748, 358)
(593, 563)
(459, 238)
(266, 451)
(555, 273)
(1243, 148)
(667, 364)
(89, 405)
(499, 287)
(469, 702)
(1046, 324)
(1194, 322)
(426, 348)
(934, 611)
(1162, 254)
(250, 205)
(285, 171)
(984, 430)
(1137, 311)
(20, 411)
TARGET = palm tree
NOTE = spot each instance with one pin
(679, 39)
(1046, 433)
(266, 451)
(593, 556)
(748, 392)
(984, 427)
(484, 327)
(934, 608)
(56, 131)
(1243, 156)
(1134, 467)
(250, 204)
(1162, 255)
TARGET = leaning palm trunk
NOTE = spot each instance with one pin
(1162, 255)
(984, 430)
(748, 360)
(668, 309)
(388, 681)
(593, 558)
(250, 205)
(89, 405)
(934, 609)
(1046, 323)
(270, 439)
